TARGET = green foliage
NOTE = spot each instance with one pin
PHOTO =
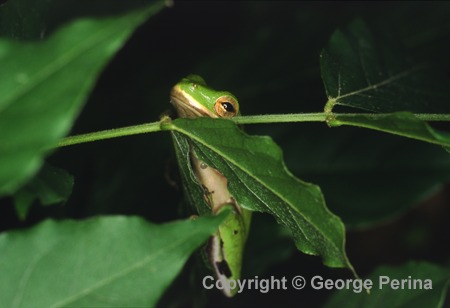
(360, 72)
(400, 123)
(104, 262)
(370, 71)
(44, 85)
(55, 57)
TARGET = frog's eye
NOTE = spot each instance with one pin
(226, 107)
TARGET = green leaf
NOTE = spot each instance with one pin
(51, 185)
(44, 84)
(367, 70)
(103, 262)
(396, 296)
(259, 181)
(399, 123)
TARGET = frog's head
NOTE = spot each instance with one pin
(192, 98)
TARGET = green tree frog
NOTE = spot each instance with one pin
(192, 98)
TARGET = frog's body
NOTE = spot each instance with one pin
(193, 98)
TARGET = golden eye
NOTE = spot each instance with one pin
(226, 107)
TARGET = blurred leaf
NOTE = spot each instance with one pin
(259, 181)
(103, 262)
(51, 185)
(399, 297)
(365, 175)
(44, 84)
(268, 244)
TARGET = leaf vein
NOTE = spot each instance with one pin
(120, 274)
(380, 84)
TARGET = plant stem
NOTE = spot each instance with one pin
(256, 119)
(111, 133)
(322, 117)
(281, 118)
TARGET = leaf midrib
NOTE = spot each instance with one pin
(377, 85)
(125, 271)
(192, 136)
